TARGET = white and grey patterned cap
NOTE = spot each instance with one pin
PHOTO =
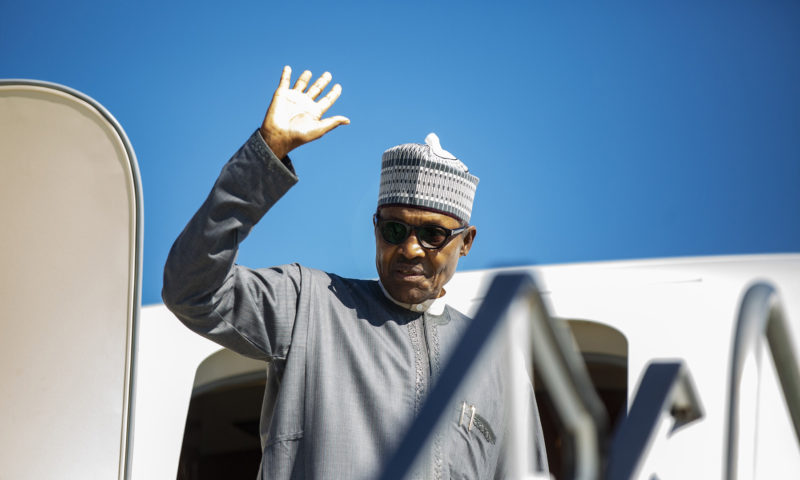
(427, 176)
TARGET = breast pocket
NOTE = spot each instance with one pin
(472, 440)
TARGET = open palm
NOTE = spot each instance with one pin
(295, 115)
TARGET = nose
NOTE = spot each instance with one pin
(411, 248)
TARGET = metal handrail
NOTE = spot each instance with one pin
(666, 389)
(557, 360)
(760, 316)
(580, 411)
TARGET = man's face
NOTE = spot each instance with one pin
(411, 273)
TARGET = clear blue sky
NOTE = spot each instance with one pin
(628, 130)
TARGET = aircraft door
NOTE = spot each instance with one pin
(70, 210)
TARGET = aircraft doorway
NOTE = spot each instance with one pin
(221, 435)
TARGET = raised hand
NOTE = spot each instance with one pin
(295, 116)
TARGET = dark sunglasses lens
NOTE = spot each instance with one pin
(394, 232)
(431, 237)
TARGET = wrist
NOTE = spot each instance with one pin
(274, 142)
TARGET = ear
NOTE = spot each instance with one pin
(469, 237)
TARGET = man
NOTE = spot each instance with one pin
(350, 361)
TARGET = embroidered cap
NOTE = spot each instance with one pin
(427, 176)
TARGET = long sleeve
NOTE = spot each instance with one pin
(249, 311)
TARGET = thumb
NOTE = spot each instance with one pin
(328, 124)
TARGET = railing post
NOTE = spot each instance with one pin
(760, 316)
(666, 388)
(579, 408)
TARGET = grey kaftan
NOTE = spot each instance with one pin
(348, 368)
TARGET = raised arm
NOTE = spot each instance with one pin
(249, 311)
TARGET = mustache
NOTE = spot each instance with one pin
(409, 266)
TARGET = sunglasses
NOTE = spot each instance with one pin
(432, 237)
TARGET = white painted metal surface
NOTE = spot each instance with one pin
(70, 213)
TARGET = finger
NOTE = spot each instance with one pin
(319, 85)
(325, 103)
(285, 77)
(302, 81)
(328, 124)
